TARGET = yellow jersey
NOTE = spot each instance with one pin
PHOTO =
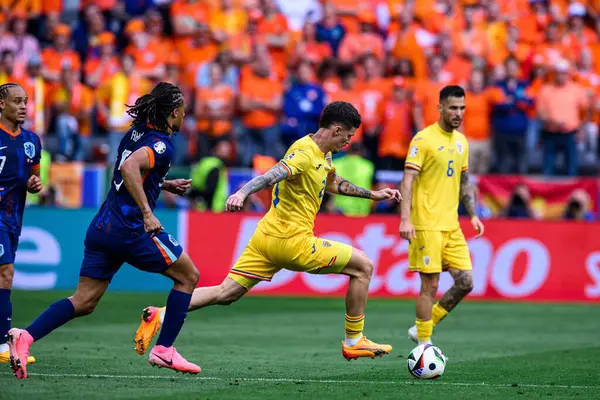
(440, 157)
(297, 199)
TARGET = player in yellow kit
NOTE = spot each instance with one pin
(435, 178)
(284, 237)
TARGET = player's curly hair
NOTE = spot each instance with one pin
(154, 108)
(4, 89)
(340, 112)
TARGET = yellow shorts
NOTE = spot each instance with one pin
(434, 251)
(265, 255)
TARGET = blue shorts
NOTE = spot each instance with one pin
(105, 253)
(9, 242)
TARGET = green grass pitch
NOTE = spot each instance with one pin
(288, 348)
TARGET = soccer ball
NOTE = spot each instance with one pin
(426, 362)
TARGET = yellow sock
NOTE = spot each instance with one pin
(438, 313)
(424, 330)
(354, 326)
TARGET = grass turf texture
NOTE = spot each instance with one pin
(267, 348)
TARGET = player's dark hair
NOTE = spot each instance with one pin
(154, 108)
(451, 91)
(340, 112)
(4, 89)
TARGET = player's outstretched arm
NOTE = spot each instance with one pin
(336, 184)
(274, 175)
(467, 196)
(407, 230)
(131, 170)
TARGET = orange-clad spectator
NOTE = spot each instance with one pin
(242, 45)
(560, 104)
(554, 48)
(404, 69)
(579, 37)
(7, 68)
(52, 6)
(149, 60)
(261, 101)
(472, 40)
(458, 67)
(227, 20)
(103, 5)
(59, 56)
(155, 26)
(590, 80)
(187, 14)
(214, 108)
(481, 101)
(278, 71)
(427, 92)
(441, 17)
(194, 52)
(348, 92)
(22, 44)
(274, 31)
(496, 29)
(328, 76)
(347, 11)
(405, 43)
(534, 22)
(374, 90)
(308, 49)
(99, 70)
(72, 104)
(367, 41)
(397, 127)
(37, 90)
(125, 87)
(513, 47)
(30, 8)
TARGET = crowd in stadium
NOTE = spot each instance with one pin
(257, 73)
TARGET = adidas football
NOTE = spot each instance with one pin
(426, 362)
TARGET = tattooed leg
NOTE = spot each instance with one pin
(463, 284)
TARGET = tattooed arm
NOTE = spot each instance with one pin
(466, 194)
(468, 199)
(269, 178)
(338, 185)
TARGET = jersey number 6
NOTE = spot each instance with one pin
(450, 171)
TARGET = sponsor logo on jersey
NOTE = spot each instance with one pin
(160, 147)
(326, 243)
(290, 156)
(172, 240)
(29, 149)
(135, 135)
(1, 250)
(440, 148)
(319, 166)
(426, 260)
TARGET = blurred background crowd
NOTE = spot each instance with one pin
(257, 73)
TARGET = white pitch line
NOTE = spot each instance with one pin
(292, 380)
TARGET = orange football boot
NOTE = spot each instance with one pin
(148, 328)
(365, 348)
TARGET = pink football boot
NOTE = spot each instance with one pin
(19, 343)
(168, 357)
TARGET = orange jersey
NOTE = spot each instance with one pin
(217, 98)
(372, 96)
(479, 110)
(397, 129)
(260, 89)
(54, 61)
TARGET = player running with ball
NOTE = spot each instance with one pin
(435, 178)
(284, 237)
(126, 230)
